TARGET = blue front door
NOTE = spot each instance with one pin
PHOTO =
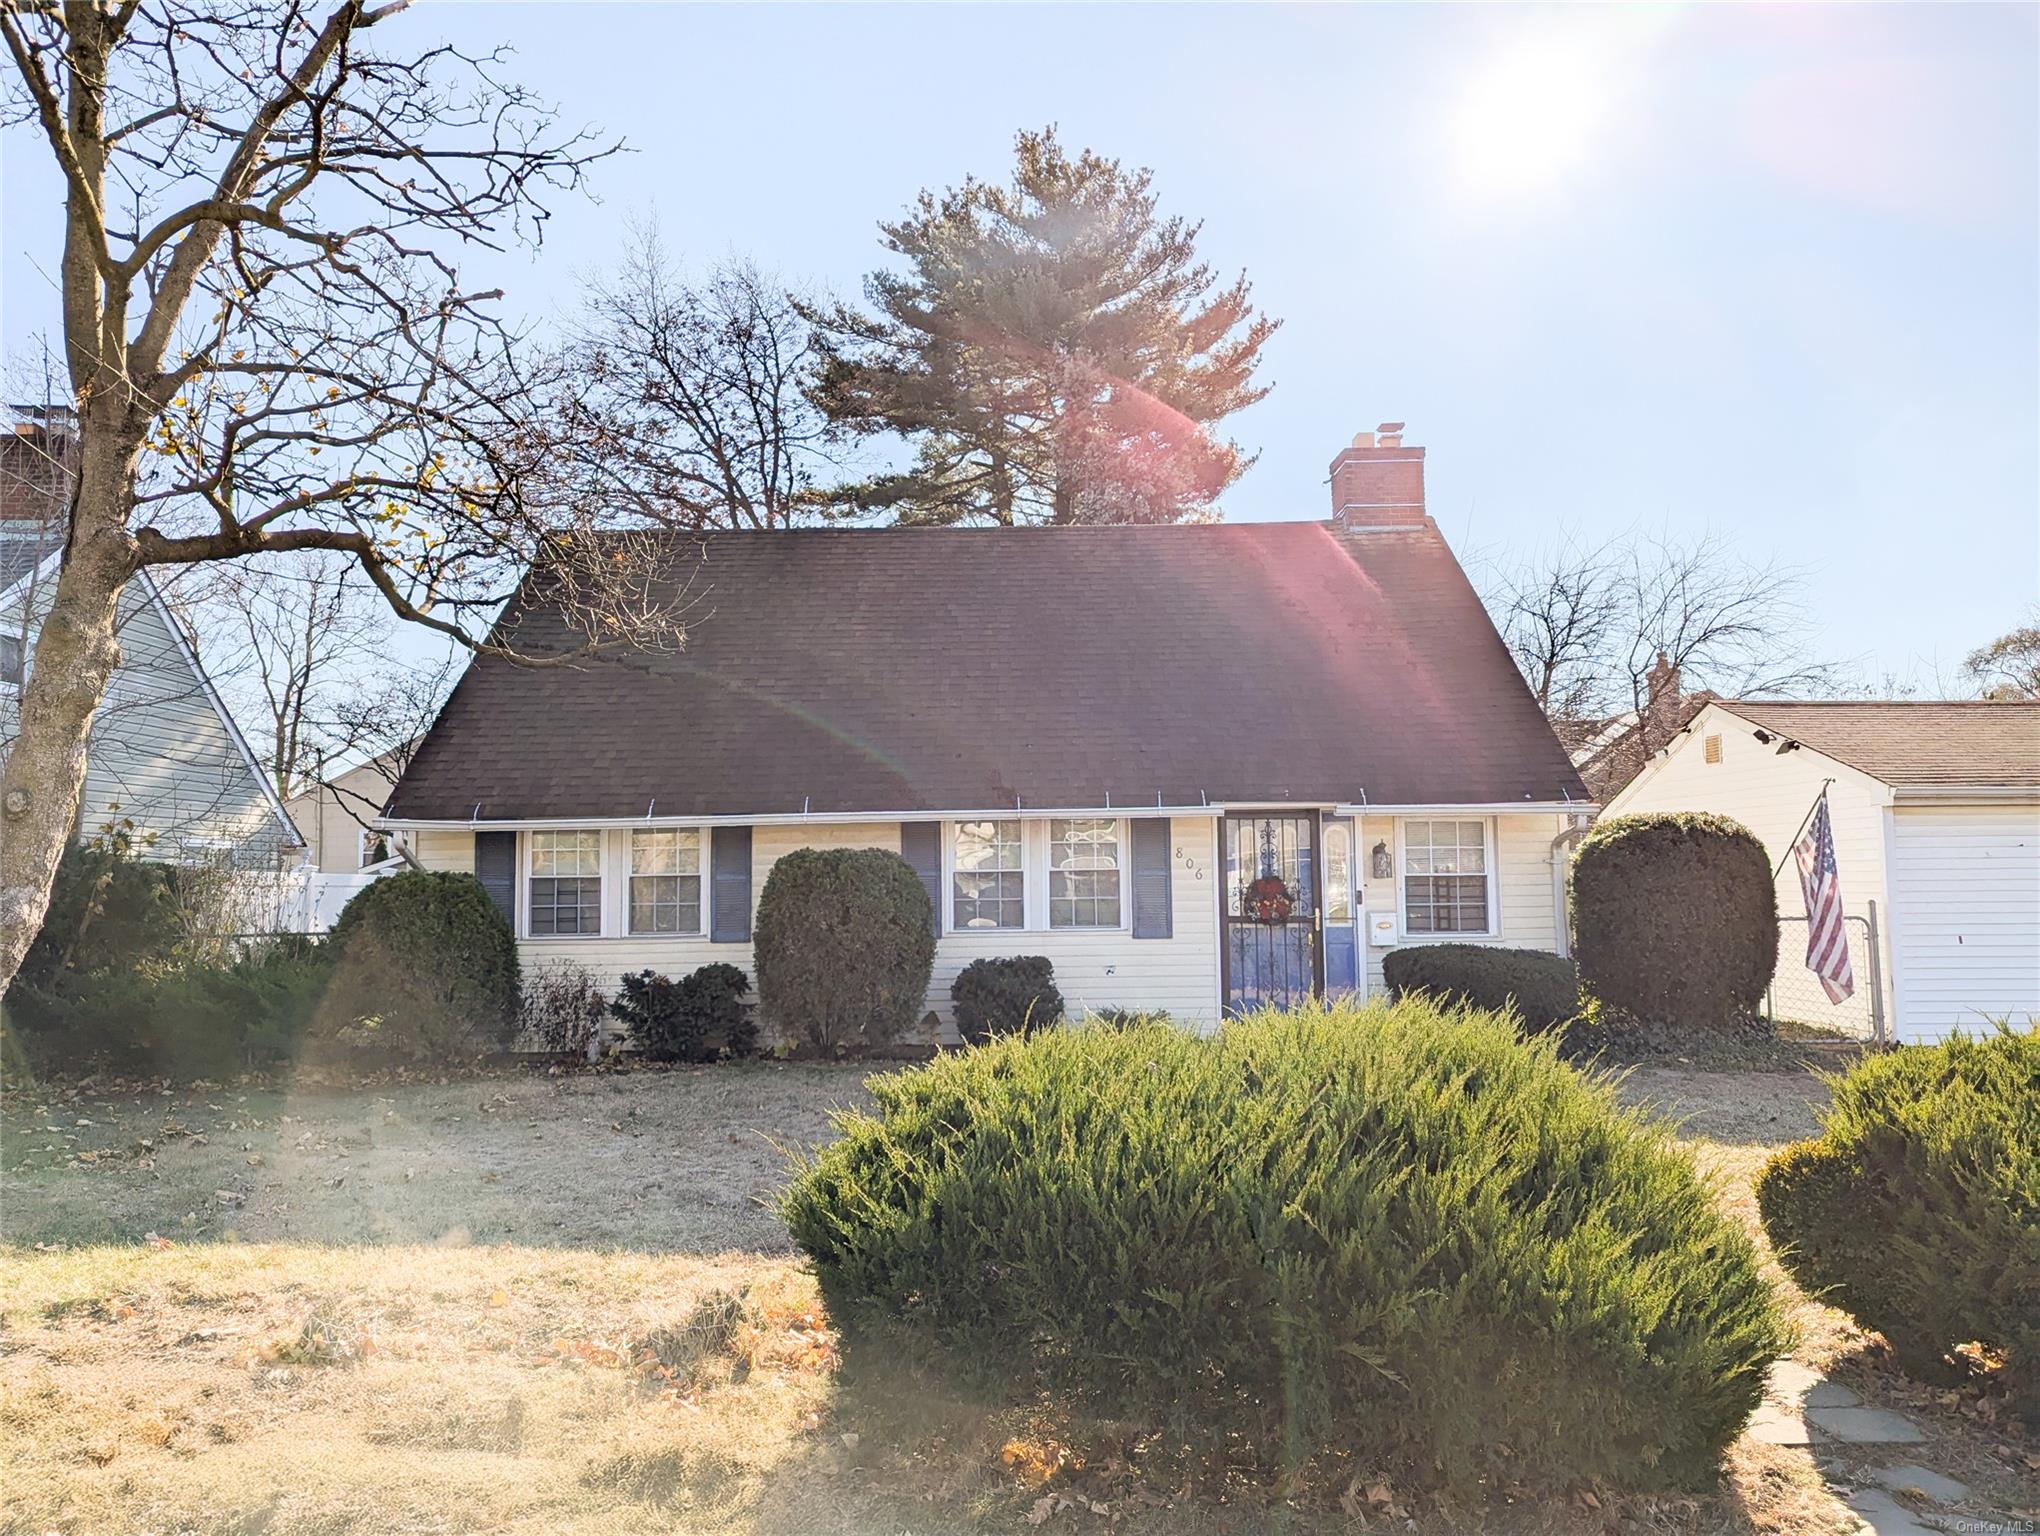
(1271, 956)
(1338, 841)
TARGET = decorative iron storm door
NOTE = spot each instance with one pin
(1273, 954)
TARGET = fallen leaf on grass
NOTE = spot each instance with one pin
(499, 1297)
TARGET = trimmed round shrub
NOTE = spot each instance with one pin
(1402, 1232)
(844, 946)
(1675, 918)
(425, 971)
(1917, 1208)
(1542, 989)
(1005, 997)
(699, 1018)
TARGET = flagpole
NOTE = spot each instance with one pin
(1804, 823)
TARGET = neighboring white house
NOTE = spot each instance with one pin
(1199, 768)
(164, 755)
(1936, 816)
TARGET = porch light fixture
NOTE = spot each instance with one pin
(1383, 864)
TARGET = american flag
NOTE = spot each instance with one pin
(1827, 938)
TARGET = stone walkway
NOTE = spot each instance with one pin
(1802, 1407)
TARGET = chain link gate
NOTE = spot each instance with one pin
(1796, 995)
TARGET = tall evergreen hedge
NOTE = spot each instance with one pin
(1917, 1208)
(1675, 918)
(1399, 1232)
(844, 947)
(425, 969)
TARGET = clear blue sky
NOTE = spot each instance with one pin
(1774, 271)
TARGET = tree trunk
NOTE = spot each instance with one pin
(1065, 498)
(76, 650)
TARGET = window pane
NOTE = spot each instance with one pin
(1083, 872)
(566, 853)
(989, 889)
(1338, 839)
(661, 851)
(566, 906)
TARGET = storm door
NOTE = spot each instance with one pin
(1272, 954)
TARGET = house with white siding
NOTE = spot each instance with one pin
(1935, 809)
(1199, 768)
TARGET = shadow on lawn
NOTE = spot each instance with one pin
(685, 1161)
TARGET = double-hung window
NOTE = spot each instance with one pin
(988, 884)
(566, 883)
(665, 880)
(1445, 877)
(1083, 873)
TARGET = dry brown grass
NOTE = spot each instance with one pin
(558, 1305)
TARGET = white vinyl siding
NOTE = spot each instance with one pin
(161, 755)
(1966, 885)
(1770, 793)
(1526, 910)
(1095, 968)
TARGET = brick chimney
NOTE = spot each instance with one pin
(1377, 483)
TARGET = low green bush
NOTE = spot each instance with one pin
(196, 1020)
(1675, 918)
(844, 946)
(698, 1018)
(1543, 989)
(1917, 1208)
(425, 970)
(1004, 997)
(1401, 1232)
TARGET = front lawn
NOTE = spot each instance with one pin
(532, 1304)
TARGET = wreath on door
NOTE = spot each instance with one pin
(1269, 900)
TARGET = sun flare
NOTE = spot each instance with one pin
(1531, 116)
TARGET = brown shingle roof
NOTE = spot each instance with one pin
(1903, 741)
(952, 669)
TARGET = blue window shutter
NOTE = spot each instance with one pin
(496, 868)
(921, 847)
(730, 885)
(1153, 915)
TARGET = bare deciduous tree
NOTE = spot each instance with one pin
(270, 350)
(289, 646)
(1616, 631)
(684, 400)
(2009, 667)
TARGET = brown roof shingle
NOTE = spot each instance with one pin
(1916, 742)
(927, 670)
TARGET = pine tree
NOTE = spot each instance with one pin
(1055, 352)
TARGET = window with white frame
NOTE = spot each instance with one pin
(988, 880)
(375, 847)
(665, 880)
(565, 894)
(1445, 877)
(1083, 872)
(13, 667)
